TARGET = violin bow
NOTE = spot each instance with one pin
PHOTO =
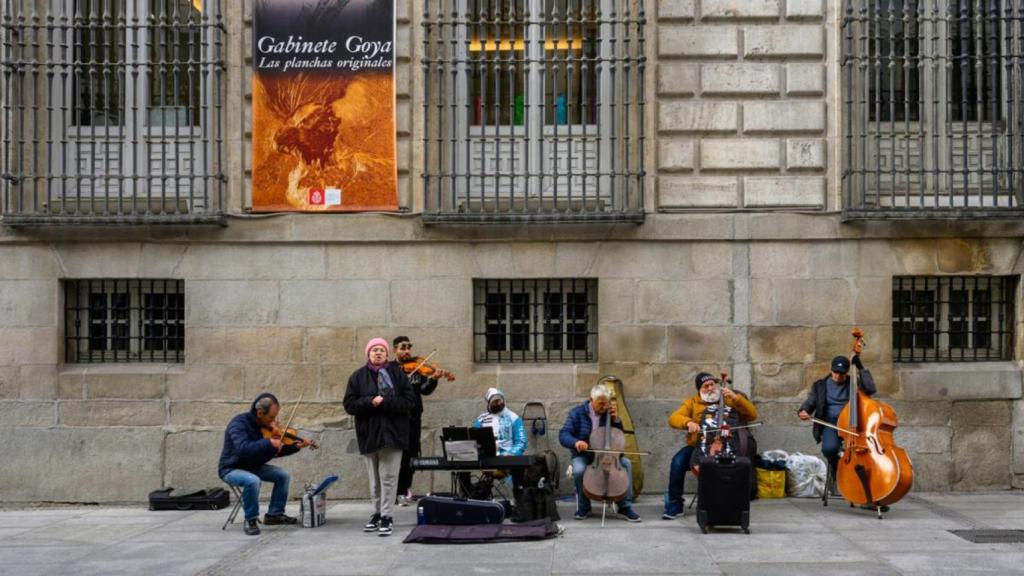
(599, 451)
(424, 361)
(287, 424)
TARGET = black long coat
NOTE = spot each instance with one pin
(387, 425)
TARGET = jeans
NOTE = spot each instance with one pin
(250, 484)
(677, 478)
(579, 466)
(831, 443)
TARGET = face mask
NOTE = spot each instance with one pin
(710, 397)
(496, 408)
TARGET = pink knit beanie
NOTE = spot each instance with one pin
(377, 342)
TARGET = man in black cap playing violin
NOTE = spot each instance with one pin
(826, 400)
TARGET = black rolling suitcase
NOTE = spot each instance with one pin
(458, 511)
(171, 499)
(723, 494)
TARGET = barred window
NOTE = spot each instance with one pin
(551, 320)
(113, 111)
(932, 106)
(117, 320)
(953, 318)
(534, 110)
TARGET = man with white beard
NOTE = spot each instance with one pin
(687, 417)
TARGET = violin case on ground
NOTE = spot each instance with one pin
(458, 511)
(723, 493)
(171, 499)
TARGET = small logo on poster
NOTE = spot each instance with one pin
(332, 196)
(316, 196)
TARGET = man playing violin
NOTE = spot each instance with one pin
(244, 457)
(575, 436)
(687, 417)
(827, 398)
(422, 385)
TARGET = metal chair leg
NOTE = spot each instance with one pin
(235, 508)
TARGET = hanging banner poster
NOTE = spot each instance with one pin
(323, 106)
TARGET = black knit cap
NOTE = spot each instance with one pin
(841, 364)
(702, 378)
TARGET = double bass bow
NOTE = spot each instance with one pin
(873, 470)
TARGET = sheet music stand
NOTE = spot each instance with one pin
(486, 447)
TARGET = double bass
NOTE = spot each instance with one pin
(873, 470)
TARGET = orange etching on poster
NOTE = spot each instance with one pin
(315, 131)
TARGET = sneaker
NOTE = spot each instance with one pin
(373, 525)
(673, 510)
(385, 526)
(581, 515)
(629, 515)
(252, 527)
(278, 519)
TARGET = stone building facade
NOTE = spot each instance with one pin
(750, 258)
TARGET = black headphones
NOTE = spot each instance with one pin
(538, 424)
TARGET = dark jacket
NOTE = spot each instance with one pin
(386, 426)
(245, 448)
(578, 427)
(815, 404)
(421, 386)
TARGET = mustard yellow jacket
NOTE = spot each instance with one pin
(691, 409)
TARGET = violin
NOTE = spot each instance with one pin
(873, 470)
(420, 366)
(605, 479)
(288, 436)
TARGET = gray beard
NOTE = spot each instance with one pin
(711, 398)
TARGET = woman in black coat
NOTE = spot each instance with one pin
(380, 397)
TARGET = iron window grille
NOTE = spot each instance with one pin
(953, 318)
(550, 320)
(111, 111)
(118, 320)
(933, 116)
(534, 110)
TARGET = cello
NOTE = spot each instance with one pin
(873, 470)
(632, 447)
(605, 479)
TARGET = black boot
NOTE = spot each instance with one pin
(252, 527)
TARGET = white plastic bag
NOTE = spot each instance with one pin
(805, 476)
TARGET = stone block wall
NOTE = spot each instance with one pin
(741, 104)
(292, 318)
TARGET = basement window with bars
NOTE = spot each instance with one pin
(932, 107)
(112, 111)
(534, 110)
(953, 318)
(124, 320)
(535, 321)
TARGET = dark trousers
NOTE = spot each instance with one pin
(405, 474)
(831, 443)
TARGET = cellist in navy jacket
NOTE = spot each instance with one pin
(575, 436)
(243, 462)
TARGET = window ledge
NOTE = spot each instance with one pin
(960, 380)
(126, 368)
(534, 368)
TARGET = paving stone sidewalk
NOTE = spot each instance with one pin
(789, 537)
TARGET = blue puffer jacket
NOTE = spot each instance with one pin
(245, 447)
(578, 427)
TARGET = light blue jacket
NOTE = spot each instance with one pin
(508, 430)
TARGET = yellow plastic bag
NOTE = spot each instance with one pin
(771, 483)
